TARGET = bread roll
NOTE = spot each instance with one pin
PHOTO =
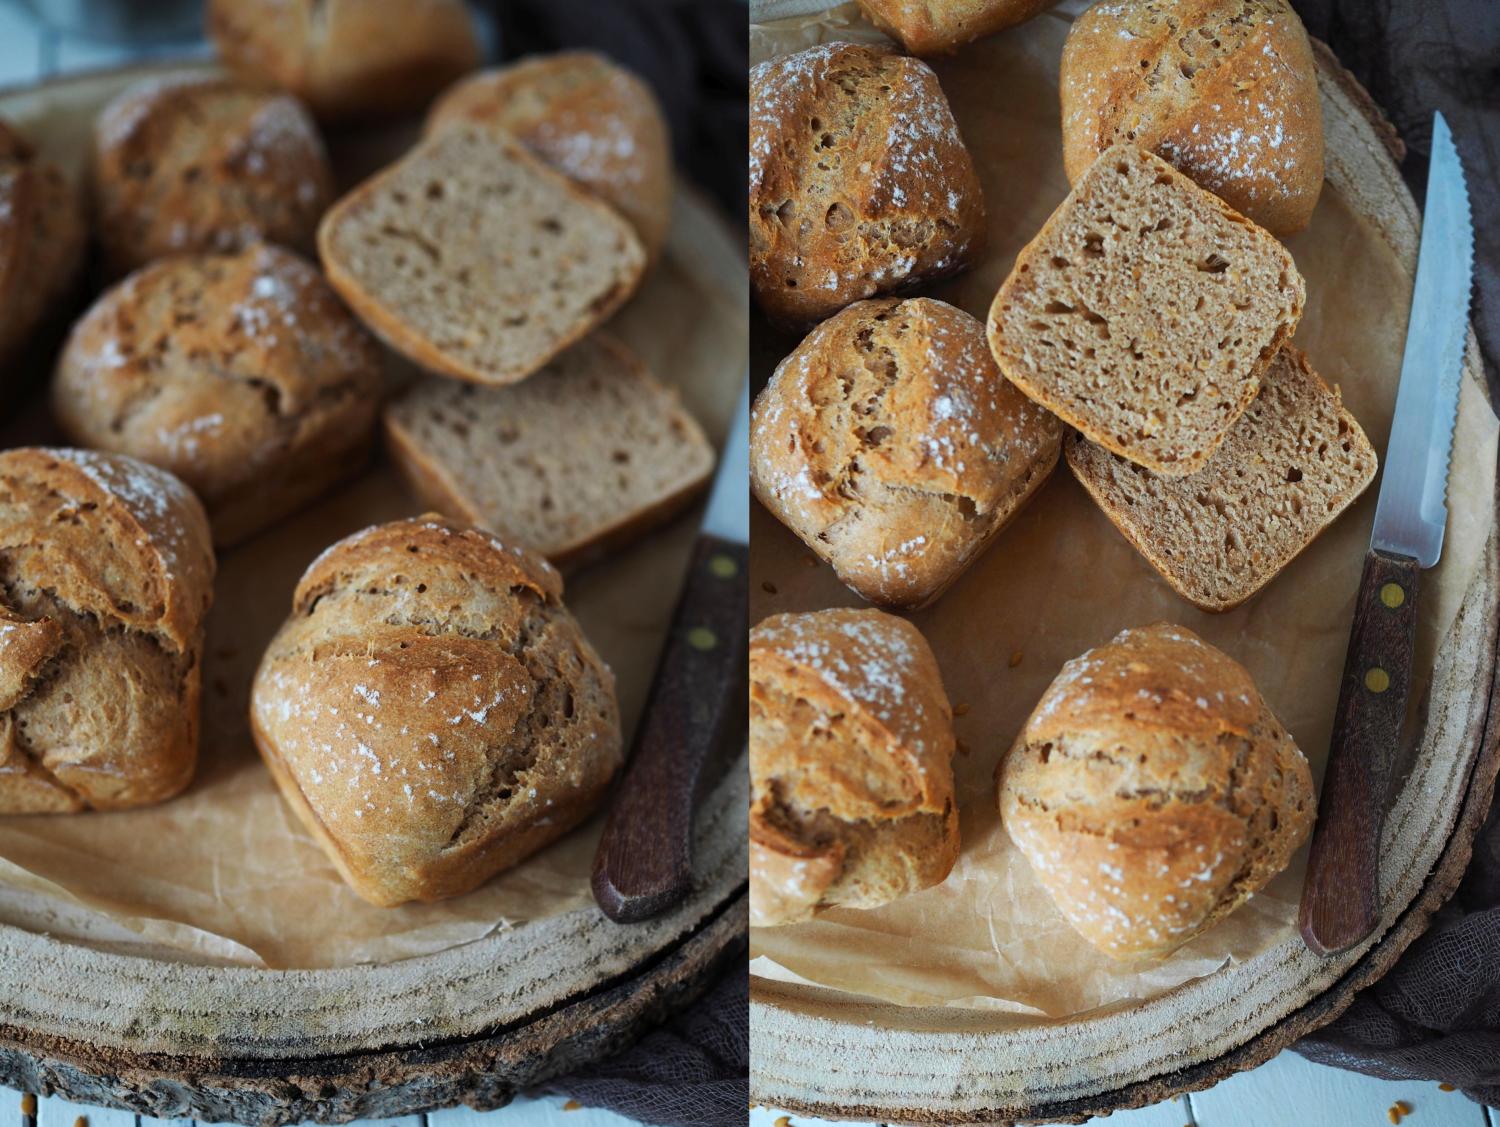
(892, 445)
(242, 374)
(106, 575)
(347, 58)
(934, 27)
(41, 240)
(851, 748)
(431, 710)
(859, 181)
(195, 162)
(587, 117)
(1226, 90)
(1153, 791)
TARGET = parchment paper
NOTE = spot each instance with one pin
(225, 873)
(1061, 580)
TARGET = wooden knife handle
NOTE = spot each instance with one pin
(644, 862)
(1341, 893)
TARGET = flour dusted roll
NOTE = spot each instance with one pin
(431, 711)
(851, 748)
(1153, 791)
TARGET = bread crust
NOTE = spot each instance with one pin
(242, 374)
(106, 576)
(1226, 90)
(1021, 292)
(347, 58)
(851, 748)
(431, 711)
(387, 321)
(940, 27)
(425, 471)
(1153, 791)
(587, 117)
(859, 181)
(890, 443)
(1175, 566)
(193, 162)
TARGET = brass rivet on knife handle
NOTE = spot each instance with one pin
(1341, 893)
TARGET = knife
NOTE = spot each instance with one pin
(696, 702)
(1340, 897)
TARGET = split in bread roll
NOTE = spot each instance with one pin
(431, 711)
(1153, 791)
(106, 576)
(851, 775)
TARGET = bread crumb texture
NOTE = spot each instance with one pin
(1226, 90)
(1153, 791)
(851, 748)
(890, 443)
(432, 711)
(633, 457)
(193, 162)
(1145, 311)
(476, 260)
(1294, 461)
(106, 576)
(859, 181)
(219, 368)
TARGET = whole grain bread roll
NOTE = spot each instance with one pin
(1153, 791)
(431, 711)
(41, 239)
(587, 117)
(347, 58)
(195, 162)
(935, 27)
(851, 749)
(106, 575)
(1225, 90)
(890, 443)
(859, 181)
(242, 374)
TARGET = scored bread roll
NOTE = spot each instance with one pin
(851, 776)
(859, 181)
(890, 443)
(1153, 791)
(587, 117)
(106, 576)
(934, 27)
(1226, 90)
(431, 711)
(347, 58)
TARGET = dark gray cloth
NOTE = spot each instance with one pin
(1436, 1014)
(694, 1070)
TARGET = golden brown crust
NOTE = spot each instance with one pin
(851, 746)
(347, 58)
(1226, 90)
(106, 575)
(859, 181)
(194, 162)
(1153, 791)
(431, 711)
(890, 443)
(937, 27)
(587, 117)
(242, 374)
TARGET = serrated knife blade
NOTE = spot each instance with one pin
(1341, 891)
(1412, 511)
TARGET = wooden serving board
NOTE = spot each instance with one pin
(101, 1013)
(838, 1055)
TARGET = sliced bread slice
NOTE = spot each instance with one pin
(1145, 311)
(587, 454)
(476, 260)
(1291, 465)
